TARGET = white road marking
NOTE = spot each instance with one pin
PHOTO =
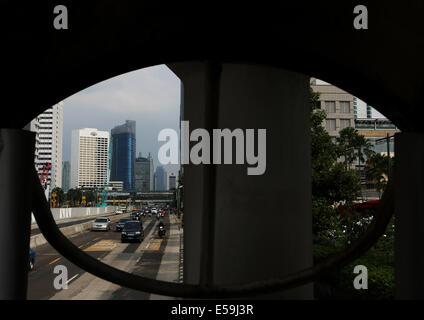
(72, 278)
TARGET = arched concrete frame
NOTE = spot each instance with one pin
(106, 39)
(381, 65)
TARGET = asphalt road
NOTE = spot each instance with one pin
(35, 231)
(98, 244)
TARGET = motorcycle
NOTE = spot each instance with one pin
(161, 231)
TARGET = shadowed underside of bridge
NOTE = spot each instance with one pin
(382, 66)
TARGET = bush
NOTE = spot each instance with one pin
(381, 273)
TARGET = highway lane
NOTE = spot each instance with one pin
(97, 244)
(147, 266)
(36, 230)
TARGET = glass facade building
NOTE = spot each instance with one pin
(123, 154)
(160, 179)
(144, 174)
(66, 175)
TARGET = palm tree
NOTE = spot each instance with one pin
(353, 146)
(378, 170)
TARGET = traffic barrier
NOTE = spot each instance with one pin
(38, 239)
(75, 212)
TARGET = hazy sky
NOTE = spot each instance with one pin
(150, 96)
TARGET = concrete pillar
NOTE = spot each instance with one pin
(409, 210)
(262, 223)
(16, 165)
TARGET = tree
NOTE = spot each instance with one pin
(90, 196)
(352, 146)
(60, 195)
(332, 181)
(74, 196)
(377, 170)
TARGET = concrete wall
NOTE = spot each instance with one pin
(66, 213)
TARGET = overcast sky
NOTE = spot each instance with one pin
(150, 96)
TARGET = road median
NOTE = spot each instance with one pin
(68, 231)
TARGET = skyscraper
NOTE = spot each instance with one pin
(89, 158)
(160, 179)
(123, 154)
(172, 181)
(66, 175)
(48, 127)
(144, 173)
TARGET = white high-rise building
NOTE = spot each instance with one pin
(89, 158)
(48, 127)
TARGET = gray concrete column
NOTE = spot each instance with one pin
(409, 210)
(262, 223)
(16, 165)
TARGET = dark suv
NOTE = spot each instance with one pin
(120, 224)
(133, 230)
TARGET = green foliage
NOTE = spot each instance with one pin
(90, 196)
(314, 99)
(323, 150)
(377, 170)
(332, 181)
(352, 146)
(60, 195)
(337, 184)
(74, 196)
(339, 283)
(325, 219)
(353, 225)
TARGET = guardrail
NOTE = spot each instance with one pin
(38, 239)
(66, 213)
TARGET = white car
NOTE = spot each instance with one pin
(101, 224)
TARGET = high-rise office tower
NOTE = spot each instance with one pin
(66, 175)
(172, 181)
(89, 158)
(144, 173)
(48, 127)
(161, 184)
(123, 154)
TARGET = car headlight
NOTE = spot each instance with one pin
(138, 232)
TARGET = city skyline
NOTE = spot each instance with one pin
(85, 161)
(149, 96)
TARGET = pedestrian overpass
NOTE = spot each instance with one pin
(165, 197)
